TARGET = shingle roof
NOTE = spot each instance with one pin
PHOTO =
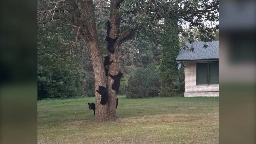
(200, 52)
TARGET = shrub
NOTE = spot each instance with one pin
(58, 82)
(89, 84)
(143, 83)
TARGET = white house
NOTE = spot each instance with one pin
(201, 68)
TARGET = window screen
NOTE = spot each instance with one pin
(201, 76)
(214, 73)
(207, 73)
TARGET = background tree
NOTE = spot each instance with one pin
(59, 66)
(169, 67)
(126, 18)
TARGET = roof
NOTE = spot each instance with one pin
(199, 51)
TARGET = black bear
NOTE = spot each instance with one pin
(104, 94)
(116, 102)
(108, 25)
(107, 62)
(111, 43)
(106, 70)
(92, 107)
(116, 78)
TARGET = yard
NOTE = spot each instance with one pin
(152, 120)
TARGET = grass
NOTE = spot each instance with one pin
(151, 120)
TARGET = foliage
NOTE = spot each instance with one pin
(123, 86)
(168, 67)
(198, 34)
(179, 84)
(127, 19)
(59, 74)
(59, 82)
(143, 83)
(88, 84)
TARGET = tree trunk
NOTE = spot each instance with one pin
(114, 67)
(113, 70)
(101, 111)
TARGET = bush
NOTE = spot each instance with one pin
(89, 84)
(123, 86)
(143, 83)
(59, 82)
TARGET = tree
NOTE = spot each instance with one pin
(168, 67)
(59, 72)
(126, 18)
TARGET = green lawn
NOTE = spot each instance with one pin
(152, 120)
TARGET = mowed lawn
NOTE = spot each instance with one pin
(152, 120)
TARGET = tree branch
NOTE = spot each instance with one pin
(195, 12)
(119, 2)
(127, 35)
(207, 9)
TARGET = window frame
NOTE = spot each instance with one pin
(207, 74)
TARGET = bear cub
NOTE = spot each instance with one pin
(104, 94)
(92, 107)
(108, 26)
(111, 43)
(116, 78)
(107, 62)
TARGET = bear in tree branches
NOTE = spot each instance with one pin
(106, 71)
(104, 94)
(108, 25)
(92, 107)
(107, 62)
(111, 43)
(116, 78)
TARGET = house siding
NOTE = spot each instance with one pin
(193, 90)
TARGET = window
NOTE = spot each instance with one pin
(207, 73)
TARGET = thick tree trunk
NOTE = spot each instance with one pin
(101, 112)
(113, 70)
(89, 35)
(114, 67)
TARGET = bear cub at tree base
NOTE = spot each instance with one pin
(92, 107)
(116, 78)
(107, 62)
(104, 94)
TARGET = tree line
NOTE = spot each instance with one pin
(141, 39)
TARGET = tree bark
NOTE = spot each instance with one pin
(113, 70)
(101, 111)
(89, 35)
(114, 67)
